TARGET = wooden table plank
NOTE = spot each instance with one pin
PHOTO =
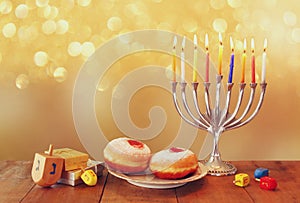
(287, 177)
(66, 193)
(15, 180)
(118, 190)
(211, 188)
(17, 186)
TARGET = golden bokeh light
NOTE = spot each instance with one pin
(40, 58)
(21, 11)
(60, 74)
(5, 7)
(9, 30)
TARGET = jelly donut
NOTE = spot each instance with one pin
(173, 163)
(127, 155)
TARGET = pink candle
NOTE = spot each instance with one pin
(207, 59)
(252, 62)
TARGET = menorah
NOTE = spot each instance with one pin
(215, 119)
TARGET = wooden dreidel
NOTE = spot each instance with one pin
(46, 169)
(241, 180)
(89, 177)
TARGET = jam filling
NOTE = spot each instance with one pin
(136, 144)
(175, 149)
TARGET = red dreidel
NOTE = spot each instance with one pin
(267, 183)
(241, 180)
(46, 169)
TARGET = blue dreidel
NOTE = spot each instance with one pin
(260, 172)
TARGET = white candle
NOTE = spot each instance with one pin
(264, 59)
(195, 60)
(182, 61)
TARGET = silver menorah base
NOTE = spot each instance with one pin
(216, 120)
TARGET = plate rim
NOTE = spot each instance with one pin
(162, 182)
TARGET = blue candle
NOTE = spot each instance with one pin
(231, 62)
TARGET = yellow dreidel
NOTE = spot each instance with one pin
(89, 177)
(241, 180)
(46, 169)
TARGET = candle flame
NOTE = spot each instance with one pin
(252, 45)
(206, 42)
(183, 43)
(245, 45)
(265, 45)
(174, 42)
(195, 41)
(231, 44)
(220, 38)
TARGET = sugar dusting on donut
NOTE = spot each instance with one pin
(173, 163)
(127, 155)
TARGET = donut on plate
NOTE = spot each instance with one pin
(173, 163)
(127, 155)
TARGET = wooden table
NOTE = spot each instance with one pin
(17, 186)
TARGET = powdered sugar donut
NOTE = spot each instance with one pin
(173, 163)
(127, 155)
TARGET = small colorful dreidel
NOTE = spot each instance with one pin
(241, 179)
(46, 169)
(260, 172)
(268, 183)
(89, 177)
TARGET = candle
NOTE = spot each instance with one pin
(231, 61)
(195, 60)
(220, 54)
(174, 59)
(207, 59)
(252, 62)
(264, 59)
(182, 61)
(244, 61)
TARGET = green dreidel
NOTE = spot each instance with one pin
(46, 169)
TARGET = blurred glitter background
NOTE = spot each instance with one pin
(43, 44)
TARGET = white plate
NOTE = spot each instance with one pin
(150, 181)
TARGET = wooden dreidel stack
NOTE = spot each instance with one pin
(46, 169)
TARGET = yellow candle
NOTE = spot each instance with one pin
(207, 59)
(244, 61)
(220, 58)
(195, 60)
(174, 59)
(182, 61)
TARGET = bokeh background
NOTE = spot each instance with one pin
(44, 43)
